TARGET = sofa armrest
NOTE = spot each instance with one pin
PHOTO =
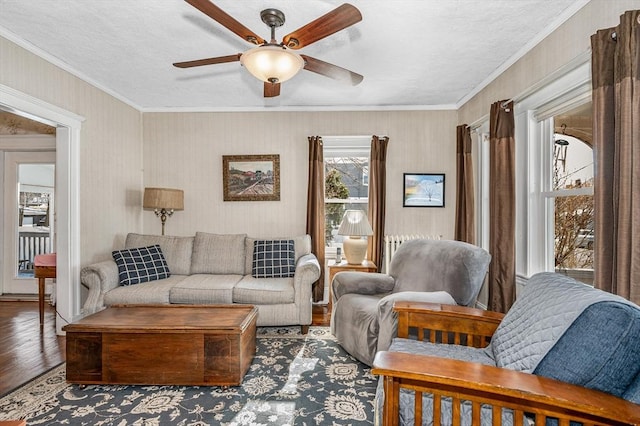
(447, 323)
(99, 278)
(309, 267)
(371, 283)
(496, 387)
(306, 273)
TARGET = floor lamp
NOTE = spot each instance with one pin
(163, 201)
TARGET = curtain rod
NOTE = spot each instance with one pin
(569, 66)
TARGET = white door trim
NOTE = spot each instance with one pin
(68, 127)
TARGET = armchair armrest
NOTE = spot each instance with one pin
(361, 283)
(497, 387)
(449, 323)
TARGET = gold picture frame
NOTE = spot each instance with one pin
(251, 177)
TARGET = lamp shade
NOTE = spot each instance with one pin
(163, 198)
(272, 64)
(355, 223)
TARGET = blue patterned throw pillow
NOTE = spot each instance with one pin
(139, 265)
(273, 259)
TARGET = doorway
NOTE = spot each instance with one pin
(67, 146)
(29, 217)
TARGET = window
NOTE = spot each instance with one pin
(346, 162)
(554, 181)
(568, 192)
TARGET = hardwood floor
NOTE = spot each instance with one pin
(25, 353)
(321, 315)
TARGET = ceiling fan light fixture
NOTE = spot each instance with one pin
(272, 63)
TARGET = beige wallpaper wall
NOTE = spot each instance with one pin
(184, 150)
(111, 149)
(569, 41)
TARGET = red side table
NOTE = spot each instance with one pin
(44, 267)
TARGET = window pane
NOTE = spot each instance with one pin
(574, 236)
(346, 188)
(572, 162)
(345, 177)
(333, 216)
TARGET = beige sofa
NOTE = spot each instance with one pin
(211, 269)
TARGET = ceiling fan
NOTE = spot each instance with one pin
(274, 62)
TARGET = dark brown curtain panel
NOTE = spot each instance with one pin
(377, 197)
(465, 229)
(616, 141)
(315, 209)
(502, 205)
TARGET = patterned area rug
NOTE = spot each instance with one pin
(294, 380)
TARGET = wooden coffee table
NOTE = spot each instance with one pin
(162, 345)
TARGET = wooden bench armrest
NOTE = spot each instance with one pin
(498, 387)
(446, 323)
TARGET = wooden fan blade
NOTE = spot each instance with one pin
(338, 19)
(223, 18)
(208, 61)
(271, 89)
(332, 71)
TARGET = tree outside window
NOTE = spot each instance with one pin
(345, 189)
(572, 194)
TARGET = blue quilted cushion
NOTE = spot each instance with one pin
(142, 264)
(273, 259)
(633, 391)
(600, 350)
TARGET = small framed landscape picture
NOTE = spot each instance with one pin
(251, 177)
(423, 190)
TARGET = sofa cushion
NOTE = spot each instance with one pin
(264, 291)
(633, 391)
(547, 307)
(605, 357)
(218, 254)
(141, 264)
(273, 259)
(176, 250)
(301, 245)
(144, 293)
(204, 289)
(441, 350)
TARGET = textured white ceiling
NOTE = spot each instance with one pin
(412, 53)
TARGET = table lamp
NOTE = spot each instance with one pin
(163, 201)
(355, 226)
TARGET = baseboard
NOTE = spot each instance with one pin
(19, 297)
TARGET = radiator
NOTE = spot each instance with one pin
(392, 243)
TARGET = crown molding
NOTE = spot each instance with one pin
(12, 37)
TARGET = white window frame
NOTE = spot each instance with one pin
(481, 158)
(534, 133)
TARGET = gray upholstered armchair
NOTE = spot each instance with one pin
(446, 272)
